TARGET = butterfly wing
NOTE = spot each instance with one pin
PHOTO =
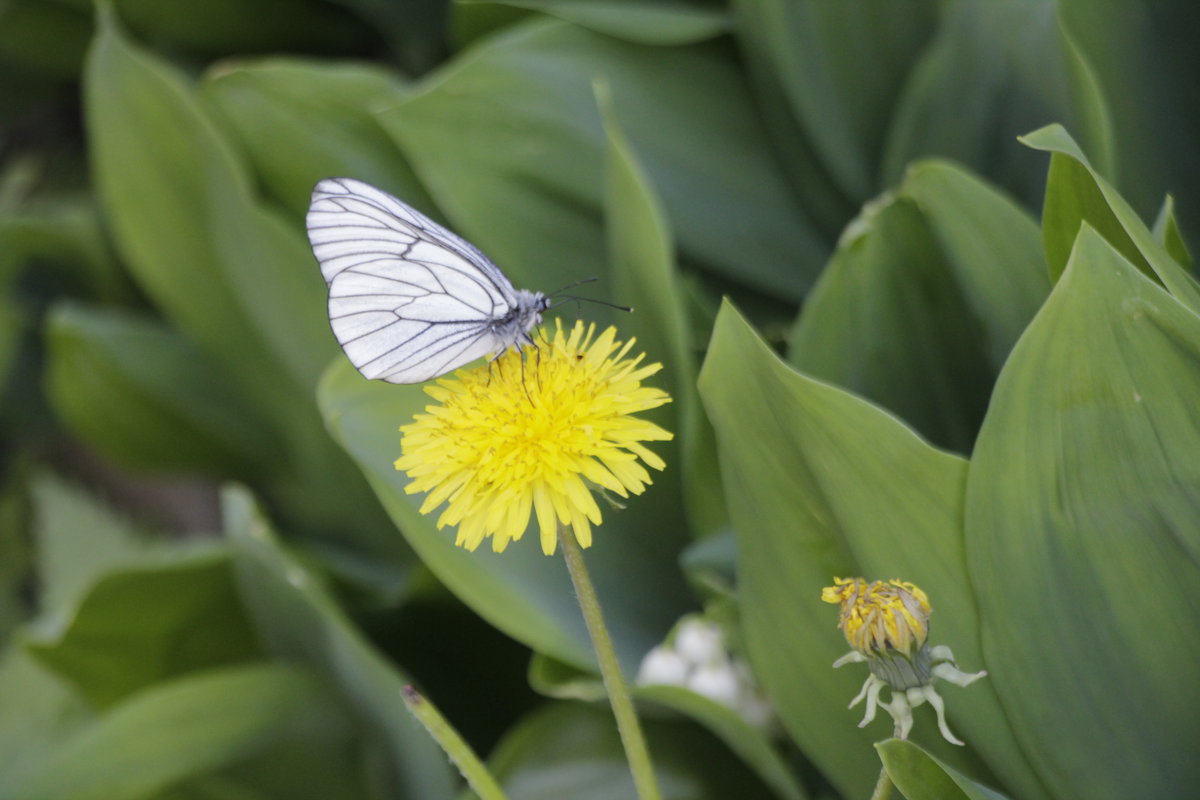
(408, 300)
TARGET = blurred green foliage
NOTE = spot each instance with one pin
(920, 275)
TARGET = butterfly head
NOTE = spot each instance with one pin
(529, 310)
(524, 316)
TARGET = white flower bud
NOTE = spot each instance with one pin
(699, 641)
(662, 665)
(716, 682)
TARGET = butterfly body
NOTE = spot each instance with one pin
(408, 299)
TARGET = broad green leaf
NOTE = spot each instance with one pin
(141, 624)
(666, 22)
(822, 484)
(993, 72)
(823, 200)
(711, 565)
(1075, 194)
(924, 297)
(887, 319)
(232, 275)
(1142, 53)
(573, 750)
(37, 711)
(839, 69)
(298, 619)
(521, 591)
(992, 244)
(226, 270)
(78, 539)
(169, 733)
(750, 744)
(1167, 233)
(510, 144)
(1082, 537)
(301, 121)
(322, 756)
(920, 776)
(62, 240)
(148, 398)
(642, 263)
(554, 679)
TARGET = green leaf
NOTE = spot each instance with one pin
(77, 540)
(1142, 53)
(839, 69)
(561, 681)
(749, 743)
(233, 276)
(1075, 194)
(520, 591)
(148, 398)
(920, 776)
(665, 22)
(39, 711)
(59, 241)
(641, 253)
(298, 620)
(166, 734)
(573, 750)
(226, 270)
(822, 484)
(926, 294)
(550, 677)
(1167, 233)
(301, 121)
(994, 71)
(141, 624)
(508, 140)
(1082, 524)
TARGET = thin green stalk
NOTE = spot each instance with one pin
(883, 786)
(460, 752)
(610, 670)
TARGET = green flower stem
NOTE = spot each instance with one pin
(460, 752)
(883, 786)
(610, 670)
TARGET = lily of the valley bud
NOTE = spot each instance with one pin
(887, 627)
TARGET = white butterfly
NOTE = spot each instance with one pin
(408, 299)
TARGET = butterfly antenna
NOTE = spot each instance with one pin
(580, 282)
(571, 297)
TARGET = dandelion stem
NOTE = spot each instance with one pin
(448, 738)
(883, 786)
(610, 670)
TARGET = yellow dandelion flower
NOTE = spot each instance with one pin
(887, 625)
(534, 433)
